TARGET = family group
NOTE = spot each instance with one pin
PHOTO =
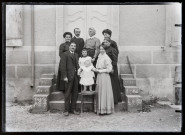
(89, 66)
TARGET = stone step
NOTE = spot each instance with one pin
(54, 87)
(133, 103)
(48, 76)
(46, 81)
(131, 90)
(120, 107)
(41, 102)
(127, 76)
(43, 89)
(88, 106)
(129, 82)
(58, 96)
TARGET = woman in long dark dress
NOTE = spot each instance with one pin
(63, 48)
(113, 54)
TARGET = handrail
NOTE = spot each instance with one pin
(129, 65)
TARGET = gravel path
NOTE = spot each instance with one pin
(161, 118)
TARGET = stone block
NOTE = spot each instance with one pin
(178, 95)
(140, 25)
(43, 89)
(59, 106)
(146, 71)
(125, 69)
(131, 90)
(127, 76)
(178, 74)
(45, 26)
(120, 107)
(129, 82)
(20, 88)
(16, 57)
(88, 106)
(57, 96)
(46, 82)
(86, 98)
(135, 57)
(10, 71)
(45, 57)
(134, 103)
(48, 76)
(24, 71)
(163, 57)
(39, 70)
(41, 102)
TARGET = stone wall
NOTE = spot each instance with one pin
(142, 34)
(143, 30)
(18, 59)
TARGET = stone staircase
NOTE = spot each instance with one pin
(56, 102)
(43, 92)
(48, 98)
(131, 93)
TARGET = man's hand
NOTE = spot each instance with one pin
(65, 79)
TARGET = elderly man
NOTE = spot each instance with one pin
(92, 44)
(79, 41)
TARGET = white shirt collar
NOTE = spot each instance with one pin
(77, 37)
(71, 52)
(92, 37)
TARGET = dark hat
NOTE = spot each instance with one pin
(67, 33)
(107, 31)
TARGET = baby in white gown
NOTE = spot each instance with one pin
(86, 70)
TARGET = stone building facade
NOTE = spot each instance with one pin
(145, 33)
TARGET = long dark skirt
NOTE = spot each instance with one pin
(115, 85)
(60, 84)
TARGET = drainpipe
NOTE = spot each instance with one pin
(32, 48)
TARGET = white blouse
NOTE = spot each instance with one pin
(104, 63)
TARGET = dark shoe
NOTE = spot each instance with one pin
(66, 113)
(75, 112)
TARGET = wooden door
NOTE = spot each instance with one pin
(86, 16)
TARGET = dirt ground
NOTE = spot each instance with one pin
(160, 119)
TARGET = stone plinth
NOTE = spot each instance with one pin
(131, 90)
(43, 89)
(134, 103)
(41, 102)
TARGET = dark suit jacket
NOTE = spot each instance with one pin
(79, 45)
(69, 65)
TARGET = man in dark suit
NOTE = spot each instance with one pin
(69, 73)
(79, 41)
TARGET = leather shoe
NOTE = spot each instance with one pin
(75, 112)
(66, 113)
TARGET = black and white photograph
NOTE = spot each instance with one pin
(92, 67)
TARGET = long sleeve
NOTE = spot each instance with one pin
(61, 50)
(114, 56)
(108, 66)
(114, 45)
(63, 67)
(97, 51)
